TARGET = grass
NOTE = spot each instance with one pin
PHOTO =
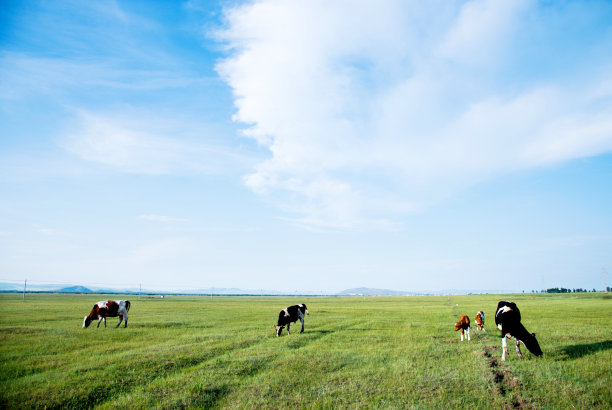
(373, 352)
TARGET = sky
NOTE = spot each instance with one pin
(307, 146)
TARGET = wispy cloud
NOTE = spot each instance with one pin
(24, 75)
(117, 92)
(51, 231)
(372, 112)
(147, 143)
(162, 218)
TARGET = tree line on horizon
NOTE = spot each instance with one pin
(565, 290)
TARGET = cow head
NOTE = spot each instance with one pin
(458, 325)
(86, 322)
(279, 329)
(532, 345)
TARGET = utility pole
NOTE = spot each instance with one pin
(25, 284)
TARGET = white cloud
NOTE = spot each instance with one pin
(371, 111)
(481, 30)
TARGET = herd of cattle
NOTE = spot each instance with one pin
(507, 319)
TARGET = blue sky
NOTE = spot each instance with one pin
(310, 146)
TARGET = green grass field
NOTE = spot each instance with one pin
(399, 352)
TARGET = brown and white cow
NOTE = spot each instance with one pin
(480, 320)
(290, 315)
(464, 325)
(108, 308)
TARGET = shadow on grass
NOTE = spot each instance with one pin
(322, 332)
(577, 351)
(316, 333)
(210, 397)
(304, 339)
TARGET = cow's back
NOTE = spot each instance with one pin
(505, 310)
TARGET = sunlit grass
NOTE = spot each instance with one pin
(377, 352)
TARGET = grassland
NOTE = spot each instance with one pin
(397, 352)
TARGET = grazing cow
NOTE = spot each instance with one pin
(480, 317)
(290, 315)
(464, 325)
(108, 308)
(508, 320)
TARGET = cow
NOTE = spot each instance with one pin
(480, 319)
(290, 315)
(108, 308)
(464, 325)
(508, 320)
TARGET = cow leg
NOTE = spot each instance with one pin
(468, 334)
(288, 326)
(125, 319)
(120, 320)
(461, 334)
(504, 348)
(99, 320)
(301, 317)
(518, 349)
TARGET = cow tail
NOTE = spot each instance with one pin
(127, 305)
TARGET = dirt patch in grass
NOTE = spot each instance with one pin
(505, 382)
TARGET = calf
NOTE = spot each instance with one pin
(480, 317)
(290, 315)
(508, 320)
(108, 308)
(464, 325)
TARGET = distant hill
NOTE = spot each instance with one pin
(11, 286)
(31, 287)
(372, 292)
(218, 291)
(75, 289)
(363, 291)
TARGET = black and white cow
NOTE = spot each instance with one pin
(290, 315)
(508, 320)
